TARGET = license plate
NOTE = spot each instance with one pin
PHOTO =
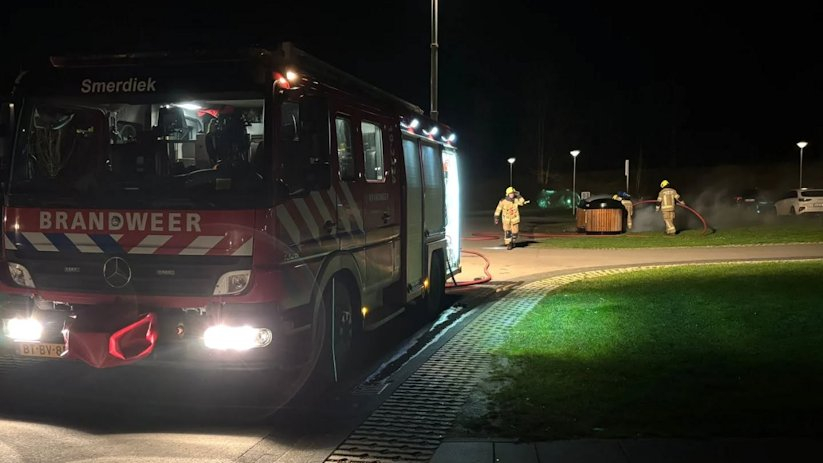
(749, 200)
(818, 204)
(38, 349)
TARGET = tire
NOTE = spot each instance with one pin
(341, 329)
(433, 302)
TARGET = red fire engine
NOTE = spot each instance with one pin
(229, 210)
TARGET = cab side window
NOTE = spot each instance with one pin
(303, 147)
(345, 151)
(373, 152)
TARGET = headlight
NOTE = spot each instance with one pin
(222, 337)
(21, 275)
(24, 329)
(232, 282)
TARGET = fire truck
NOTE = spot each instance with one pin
(238, 209)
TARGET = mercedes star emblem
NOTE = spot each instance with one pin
(116, 272)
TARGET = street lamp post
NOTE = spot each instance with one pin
(801, 145)
(511, 166)
(435, 48)
(574, 154)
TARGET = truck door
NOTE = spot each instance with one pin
(304, 211)
(380, 204)
(347, 187)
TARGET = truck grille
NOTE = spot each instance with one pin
(149, 275)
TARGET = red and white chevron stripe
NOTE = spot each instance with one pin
(304, 219)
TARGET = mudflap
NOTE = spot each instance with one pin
(105, 339)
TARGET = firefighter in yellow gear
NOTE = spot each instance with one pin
(508, 210)
(626, 201)
(666, 200)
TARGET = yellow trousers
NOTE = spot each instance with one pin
(668, 219)
(510, 230)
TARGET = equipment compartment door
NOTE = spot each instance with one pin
(414, 213)
(434, 193)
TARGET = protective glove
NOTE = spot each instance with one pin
(496, 221)
(656, 208)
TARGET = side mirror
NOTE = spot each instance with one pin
(290, 121)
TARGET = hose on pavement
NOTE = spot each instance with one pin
(488, 277)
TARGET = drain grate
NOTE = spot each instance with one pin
(410, 424)
(374, 388)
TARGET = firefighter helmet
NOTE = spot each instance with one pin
(664, 184)
(510, 190)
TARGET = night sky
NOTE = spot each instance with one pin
(685, 84)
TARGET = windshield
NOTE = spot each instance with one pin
(197, 153)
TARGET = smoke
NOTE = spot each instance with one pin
(645, 219)
(721, 209)
(717, 205)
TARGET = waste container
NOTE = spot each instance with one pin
(603, 215)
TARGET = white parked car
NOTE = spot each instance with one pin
(802, 201)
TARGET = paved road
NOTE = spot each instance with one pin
(302, 435)
(532, 262)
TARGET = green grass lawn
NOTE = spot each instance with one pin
(808, 232)
(722, 350)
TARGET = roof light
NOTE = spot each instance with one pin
(452, 137)
(291, 76)
(434, 130)
(411, 126)
(281, 81)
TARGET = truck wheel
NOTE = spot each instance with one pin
(341, 327)
(437, 287)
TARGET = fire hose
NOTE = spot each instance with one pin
(495, 236)
(487, 263)
(488, 278)
(696, 214)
